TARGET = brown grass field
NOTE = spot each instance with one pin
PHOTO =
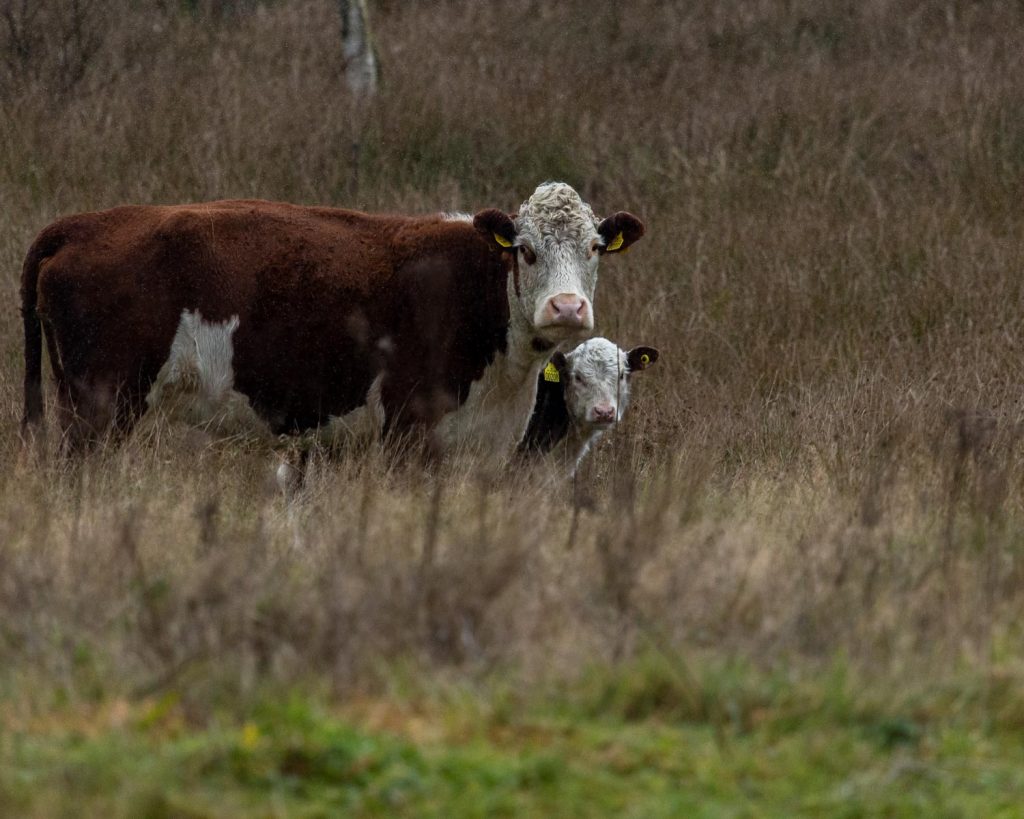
(823, 472)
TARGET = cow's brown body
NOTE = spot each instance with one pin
(325, 299)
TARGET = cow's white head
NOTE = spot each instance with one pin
(597, 378)
(556, 243)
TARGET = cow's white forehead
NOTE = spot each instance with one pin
(556, 211)
(598, 359)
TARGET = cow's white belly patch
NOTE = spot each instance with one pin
(196, 383)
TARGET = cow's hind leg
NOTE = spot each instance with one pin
(86, 410)
(92, 410)
(71, 438)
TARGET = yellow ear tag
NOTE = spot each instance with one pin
(615, 243)
(501, 240)
(551, 373)
(645, 360)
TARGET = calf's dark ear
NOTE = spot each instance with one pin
(496, 227)
(619, 231)
(640, 358)
(560, 362)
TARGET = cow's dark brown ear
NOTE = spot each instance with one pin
(619, 231)
(640, 358)
(496, 227)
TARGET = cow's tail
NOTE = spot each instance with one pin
(45, 245)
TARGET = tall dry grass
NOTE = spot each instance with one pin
(826, 460)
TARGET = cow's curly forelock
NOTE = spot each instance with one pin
(555, 210)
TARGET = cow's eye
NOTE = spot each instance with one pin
(528, 255)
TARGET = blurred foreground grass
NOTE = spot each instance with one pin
(638, 740)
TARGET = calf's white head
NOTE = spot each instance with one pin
(555, 243)
(597, 378)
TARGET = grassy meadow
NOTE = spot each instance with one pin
(791, 584)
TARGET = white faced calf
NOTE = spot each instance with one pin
(580, 395)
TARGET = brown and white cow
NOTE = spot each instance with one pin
(307, 313)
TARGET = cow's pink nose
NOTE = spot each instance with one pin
(604, 413)
(568, 309)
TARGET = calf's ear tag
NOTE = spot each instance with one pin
(615, 243)
(501, 240)
(551, 373)
(645, 360)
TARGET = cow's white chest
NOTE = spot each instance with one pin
(196, 383)
(494, 417)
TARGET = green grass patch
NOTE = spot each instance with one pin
(624, 742)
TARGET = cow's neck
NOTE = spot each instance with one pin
(569, 451)
(494, 417)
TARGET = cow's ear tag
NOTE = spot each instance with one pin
(615, 243)
(501, 240)
(551, 373)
